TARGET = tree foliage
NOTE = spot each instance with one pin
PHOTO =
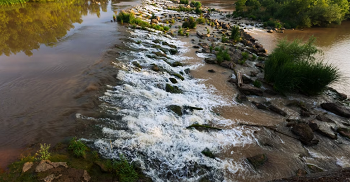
(295, 13)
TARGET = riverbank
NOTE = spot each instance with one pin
(177, 115)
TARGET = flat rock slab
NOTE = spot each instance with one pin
(336, 109)
(345, 132)
(44, 165)
(27, 166)
(304, 132)
(250, 90)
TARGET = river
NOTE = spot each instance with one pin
(51, 66)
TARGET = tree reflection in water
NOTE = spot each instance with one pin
(26, 27)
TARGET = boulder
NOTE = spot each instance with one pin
(305, 133)
(327, 132)
(176, 109)
(27, 166)
(172, 89)
(228, 64)
(260, 106)
(44, 165)
(210, 60)
(324, 118)
(257, 160)
(304, 113)
(336, 109)
(345, 132)
(246, 79)
(211, 71)
(173, 80)
(250, 90)
(154, 21)
(276, 110)
(241, 98)
(208, 153)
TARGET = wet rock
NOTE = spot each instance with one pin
(157, 41)
(327, 132)
(27, 166)
(135, 63)
(270, 31)
(228, 64)
(314, 169)
(196, 47)
(336, 109)
(173, 51)
(155, 68)
(241, 98)
(178, 76)
(345, 132)
(187, 70)
(176, 64)
(211, 71)
(210, 60)
(172, 89)
(339, 96)
(44, 165)
(301, 172)
(159, 54)
(260, 65)
(173, 80)
(253, 74)
(154, 21)
(258, 160)
(270, 92)
(324, 118)
(208, 153)
(304, 113)
(246, 79)
(313, 125)
(276, 110)
(86, 176)
(170, 45)
(206, 50)
(102, 166)
(260, 106)
(250, 90)
(304, 132)
(176, 109)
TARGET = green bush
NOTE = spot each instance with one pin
(78, 147)
(166, 28)
(200, 20)
(196, 4)
(222, 55)
(43, 153)
(292, 66)
(183, 1)
(235, 34)
(190, 23)
(125, 17)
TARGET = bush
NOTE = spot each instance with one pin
(235, 34)
(43, 153)
(78, 147)
(190, 23)
(125, 17)
(166, 28)
(292, 66)
(196, 4)
(200, 20)
(222, 55)
(183, 1)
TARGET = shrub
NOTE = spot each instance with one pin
(180, 32)
(124, 17)
(190, 23)
(196, 4)
(222, 55)
(43, 153)
(183, 1)
(245, 55)
(78, 147)
(198, 11)
(257, 83)
(166, 28)
(235, 34)
(292, 66)
(200, 20)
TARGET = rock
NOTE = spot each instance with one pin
(206, 50)
(86, 176)
(258, 160)
(159, 54)
(253, 74)
(211, 71)
(324, 118)
(176, 109)
(241, 98)
(173, 51)
(102, 166)
(154, 21)
(195, 46)
(172, 89)
(51, 177)
(336, 109)
(260, 106)
(27, 166)
(260, 65)
(58, 164)
(173, 80)
(314, 169)
(210, 60)
(305, 113)
(176, 64)
(250, 90)
(277, 110)
(270, 31)
(246, 79)
(178, 75)
(155, 68)
(228, 64)
(327, 132)
(208, 153)
(187, 70)
(270, 92)
(304, 132)
(313, 125)
(44, 165)
(345, 132)
(301, 172)
(135, 63)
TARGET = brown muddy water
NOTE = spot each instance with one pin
(333, 41)
(52, 66)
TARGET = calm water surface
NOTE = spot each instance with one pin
(50, 56)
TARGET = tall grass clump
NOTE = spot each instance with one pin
(293, 67)
(125, 17)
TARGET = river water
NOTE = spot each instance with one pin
(51, 64)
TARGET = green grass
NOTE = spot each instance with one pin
(293, 67)
(78, 147)
(190, 23)
(12, 2)
(222, 55)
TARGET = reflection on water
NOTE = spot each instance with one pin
(26, 27)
